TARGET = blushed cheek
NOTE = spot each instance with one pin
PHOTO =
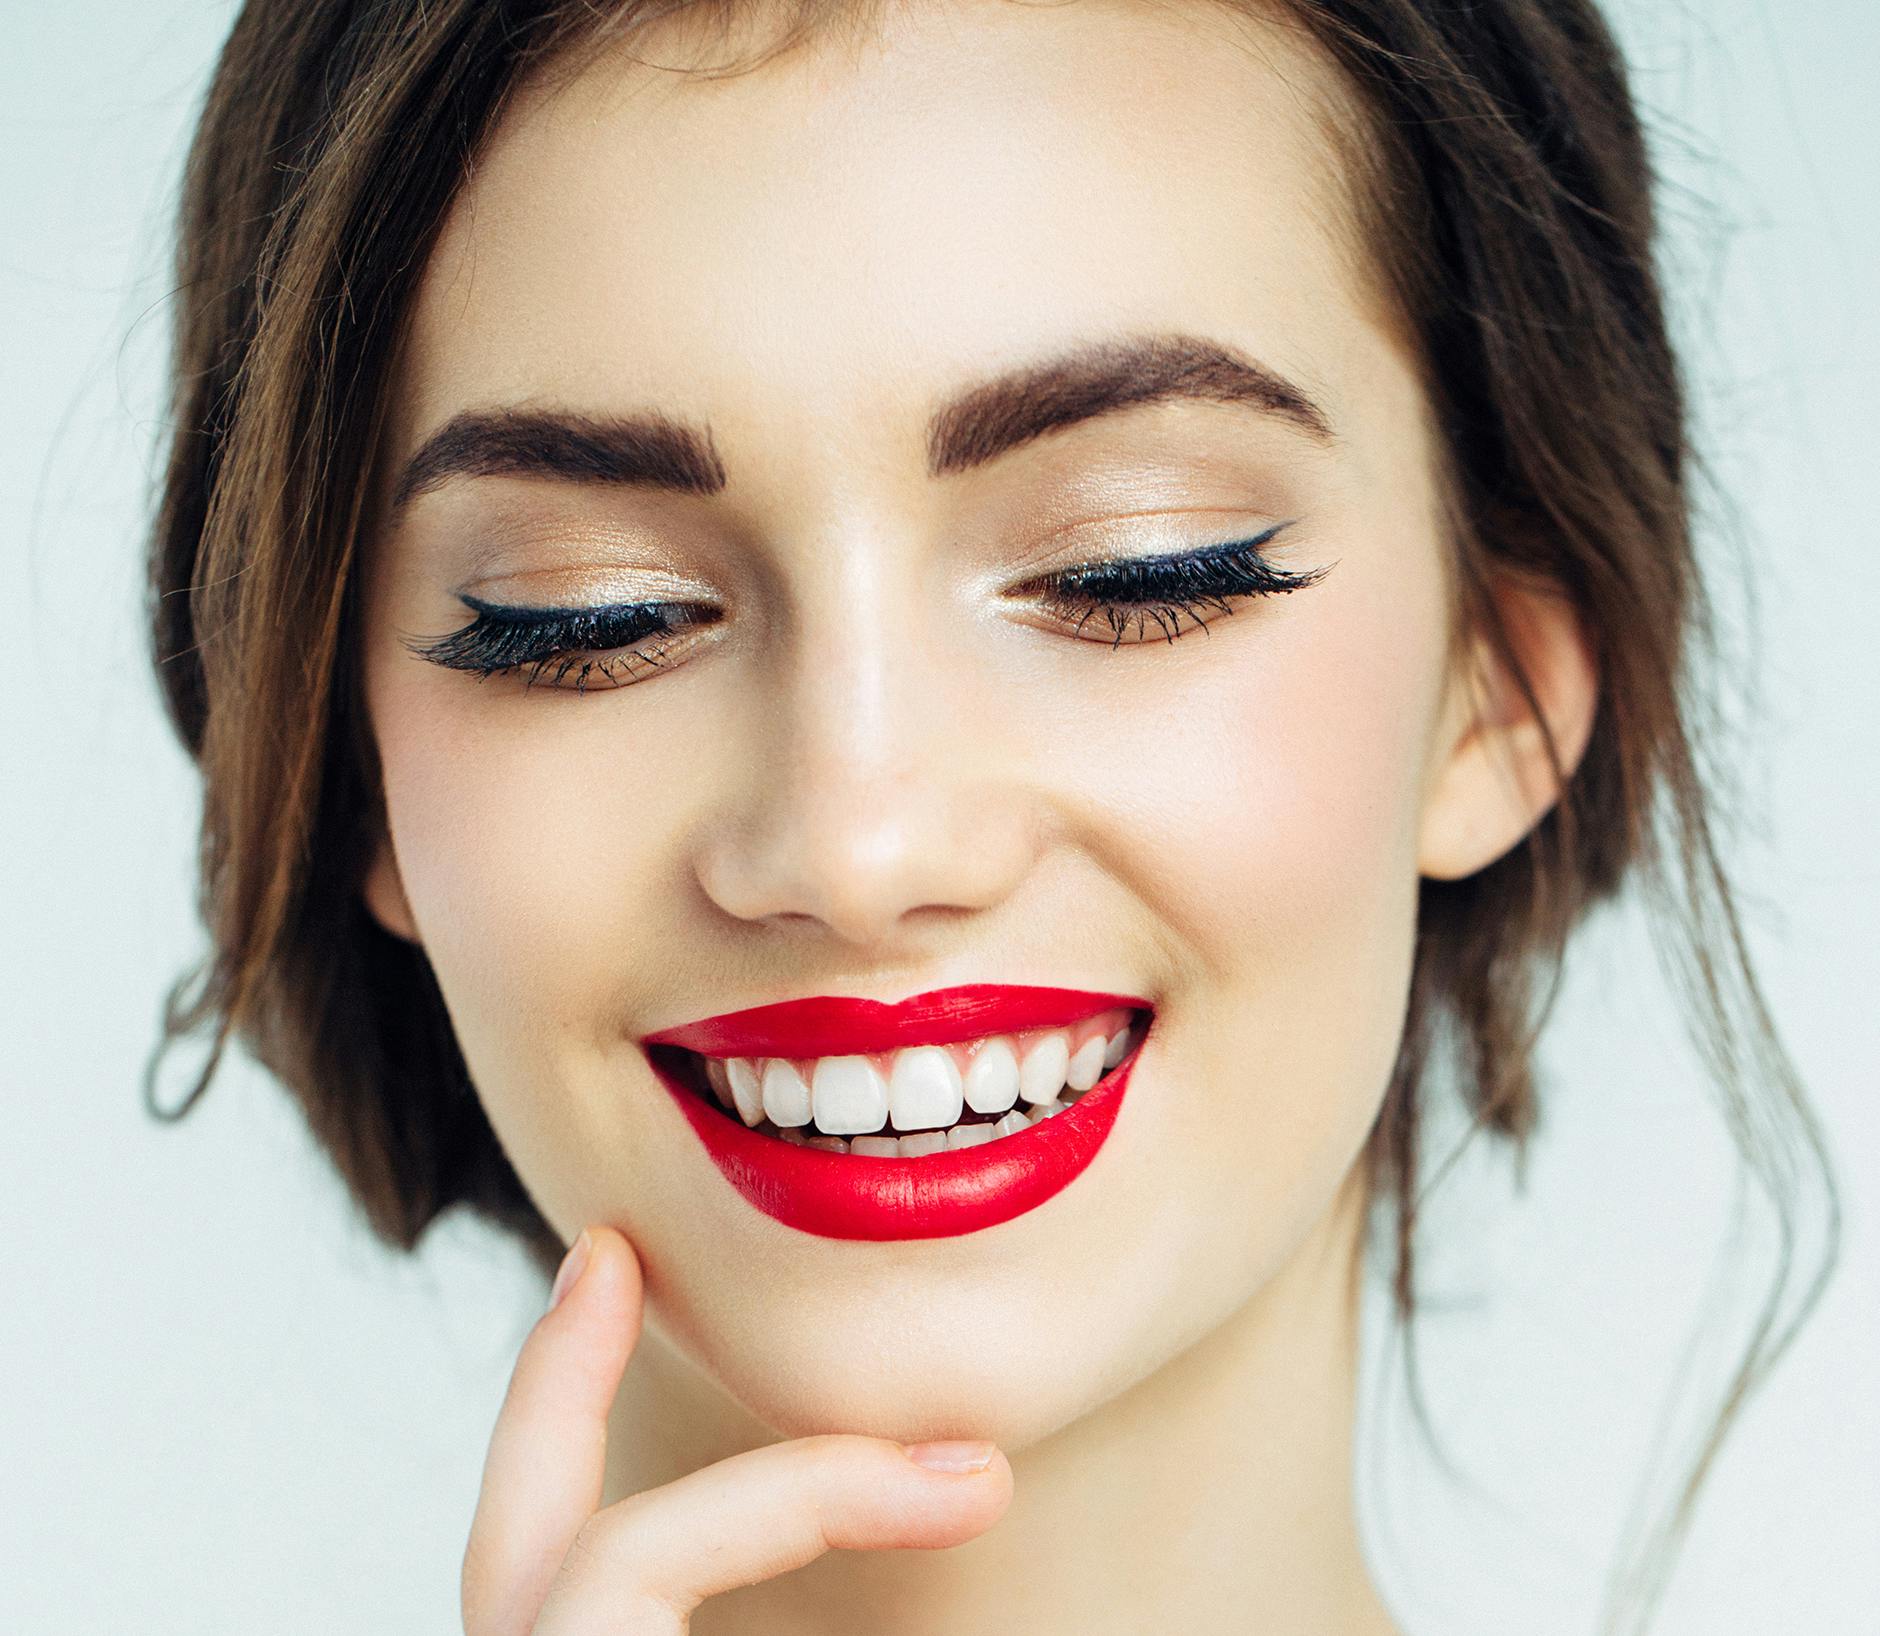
(1284, 864)
(537, 842)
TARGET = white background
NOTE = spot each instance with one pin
(224, 1409)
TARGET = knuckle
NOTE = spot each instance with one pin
(608, 1554)
(585, 1568)
(826, 1453)
(589, 1551)
(610, 1540)
(818, 1461)
(820, 1448)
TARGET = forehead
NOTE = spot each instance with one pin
(830, 240)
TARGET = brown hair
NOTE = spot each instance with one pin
(1508, 199)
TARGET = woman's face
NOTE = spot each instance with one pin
(882, 767)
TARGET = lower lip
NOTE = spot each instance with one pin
(937, 1195)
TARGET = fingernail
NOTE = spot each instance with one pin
(950, 1456)
(571, 1266)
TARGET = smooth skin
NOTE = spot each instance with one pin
(545, 1559)
(883, 770)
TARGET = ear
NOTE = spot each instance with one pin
(384, 891)
(1491, 782)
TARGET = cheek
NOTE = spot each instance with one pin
(538, 839)
(1275, 836)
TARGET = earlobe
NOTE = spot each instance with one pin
(1493, 781)
(384, 891)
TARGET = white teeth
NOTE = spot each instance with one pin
(849, 1096)
(918, 1144)
(1118, 1047)
(924, 1089)
(786, 1097)
(1087, 1065)
(1041, 1074)
(922, 1094)
(992, 1077)
(745, 1091)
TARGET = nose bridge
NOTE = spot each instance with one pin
(875, 787)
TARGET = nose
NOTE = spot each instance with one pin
(878, 787)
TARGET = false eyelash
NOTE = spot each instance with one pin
(505, 637)
(1163, 588)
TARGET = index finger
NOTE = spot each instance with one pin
(543, 1476)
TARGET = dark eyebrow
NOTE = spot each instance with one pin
(970, 429)
(647, 450)
(1101, 378)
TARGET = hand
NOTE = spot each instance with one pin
(542, 1560)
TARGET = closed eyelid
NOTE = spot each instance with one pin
(1098, 567)
(1159, 588)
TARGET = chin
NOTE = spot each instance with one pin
(906, 1363)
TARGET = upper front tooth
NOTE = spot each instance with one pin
(1041, 1074)
(745, 1091)
(924, 1089)
(849, 1096)
(786, 1097)
(992, 1078)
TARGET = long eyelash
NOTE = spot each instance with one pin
(1164, 588)
(503, 638)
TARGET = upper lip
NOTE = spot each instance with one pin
(841, 1025)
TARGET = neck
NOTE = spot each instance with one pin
(1216, 1493)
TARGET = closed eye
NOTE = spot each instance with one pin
(555, 641)
(1124, 596)
(1160, 590)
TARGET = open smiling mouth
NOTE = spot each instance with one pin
(930, 1124)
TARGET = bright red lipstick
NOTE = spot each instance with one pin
(937, 1195)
